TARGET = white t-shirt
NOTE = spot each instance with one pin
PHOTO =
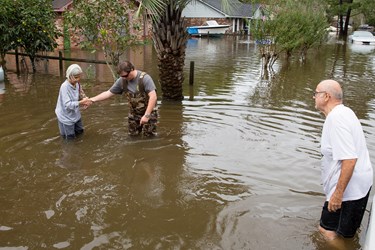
(342, 139)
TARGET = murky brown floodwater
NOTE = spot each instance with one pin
(235, 166)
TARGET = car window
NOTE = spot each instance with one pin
(362, 34)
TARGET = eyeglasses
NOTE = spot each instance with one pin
(125, 76)
(318, 92)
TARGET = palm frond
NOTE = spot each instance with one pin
(153, 7)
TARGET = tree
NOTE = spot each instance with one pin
(8, 19)
(264, 33)
(343, 10)
(30, 27)
(36, 30)
(300, 25)
(106, 25)
(290, 26)
(170, 39)
(367, 8)
(170, 36)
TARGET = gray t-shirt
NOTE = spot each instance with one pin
(117, 87)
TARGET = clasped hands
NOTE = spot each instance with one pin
(86, 102)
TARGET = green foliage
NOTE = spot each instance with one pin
(28, 24)
(300, 26)
(7, 28)
(337, 8)
(290, 26)
(37, 31)
(342, 10)
(367, 8)
(103, 24)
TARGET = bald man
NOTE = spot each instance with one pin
(346, 168)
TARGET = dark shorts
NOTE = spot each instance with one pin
(346, 220)
(70, 131)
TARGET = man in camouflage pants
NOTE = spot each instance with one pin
(140, 90)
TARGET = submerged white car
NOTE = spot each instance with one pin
(362, 37)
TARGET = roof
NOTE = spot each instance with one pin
(61, 5)
(236, 8)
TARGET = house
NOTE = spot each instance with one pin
(59, 7)
(196, 13)
(236, 15)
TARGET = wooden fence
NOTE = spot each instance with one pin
(60, 58)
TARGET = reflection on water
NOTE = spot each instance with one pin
(236, 165)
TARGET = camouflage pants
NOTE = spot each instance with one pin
(148, 129)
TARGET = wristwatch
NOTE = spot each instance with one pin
(147, 116)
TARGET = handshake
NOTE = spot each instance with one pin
(86, 102)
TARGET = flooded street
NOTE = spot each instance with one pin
(235, 165)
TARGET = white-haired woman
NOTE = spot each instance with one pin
(71, 97)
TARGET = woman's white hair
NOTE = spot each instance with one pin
(72, 71)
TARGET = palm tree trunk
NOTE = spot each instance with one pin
(170, 37)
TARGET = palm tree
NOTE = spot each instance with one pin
(170, 37)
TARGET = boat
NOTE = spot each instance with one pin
(210, 28)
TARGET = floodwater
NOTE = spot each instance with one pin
(235, 165)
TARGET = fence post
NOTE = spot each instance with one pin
(191, 81)
(191, 76)
(17, 61)
(61, 63)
